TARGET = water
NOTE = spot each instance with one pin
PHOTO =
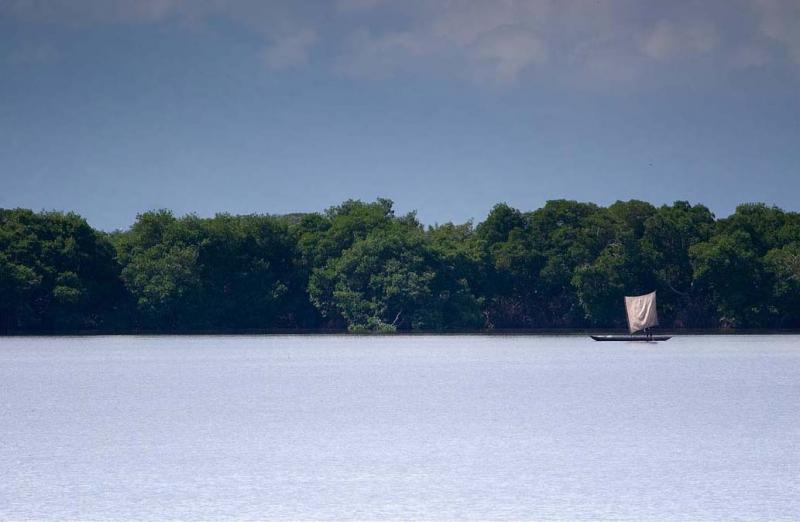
(462, 427)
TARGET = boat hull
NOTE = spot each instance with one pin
(645, 338)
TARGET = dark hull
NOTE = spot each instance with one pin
(631, 337)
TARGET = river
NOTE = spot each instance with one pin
(399, 427)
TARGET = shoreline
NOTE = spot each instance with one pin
(325, 333)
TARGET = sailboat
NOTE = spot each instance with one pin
(642, 315)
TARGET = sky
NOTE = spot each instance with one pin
(110, 108)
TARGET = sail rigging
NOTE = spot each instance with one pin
(641, 311)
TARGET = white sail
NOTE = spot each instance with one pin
(641, 311)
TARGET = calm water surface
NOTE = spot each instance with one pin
(435, 427)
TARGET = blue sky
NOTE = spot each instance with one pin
(111, 107)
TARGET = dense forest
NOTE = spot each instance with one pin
(359, 266)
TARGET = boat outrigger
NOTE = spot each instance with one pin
(642, 316)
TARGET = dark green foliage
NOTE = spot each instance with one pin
(570, 236)
(732, 275)
(667, 238)
(381, 273)
(358, 266)
(744, 271)
(56, 273)
(619, 268)
(228, 272)
(783, 265)
(512, 272)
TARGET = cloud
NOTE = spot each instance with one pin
(670, 40)
(605, 62)
(290, 50)
(750, 56)
(91, 11)
(462, 23)
(780, 22)
(498, 42)
(504, 41)
(503, 53)
(482, 41)
(359, 5)
(370, 56)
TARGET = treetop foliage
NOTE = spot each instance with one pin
(361, 267)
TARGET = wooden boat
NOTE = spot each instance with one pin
(646, 338)
(642, 315)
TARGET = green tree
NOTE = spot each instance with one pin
(668, 236)
(564, 233)
(729, 271)
(390, 280)
(620, 268)
(227, 272)
(56, 273)
(513, 261)
(784, 266)
(323, 238)
(358, 265)
(159, 257)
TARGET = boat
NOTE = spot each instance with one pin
(647, 338)
(642, 316)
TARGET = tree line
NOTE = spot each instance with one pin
(359, 266)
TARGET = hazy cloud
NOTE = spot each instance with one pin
(366, 55)
(504, 42)
(359, 5)
(606, 62)
(780, 22)
(503, 53)
(670, 40)
(90, 11)
(750, 55)
(290, 50)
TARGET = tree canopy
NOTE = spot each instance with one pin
(361, 267)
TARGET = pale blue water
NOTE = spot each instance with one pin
(461, 427)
